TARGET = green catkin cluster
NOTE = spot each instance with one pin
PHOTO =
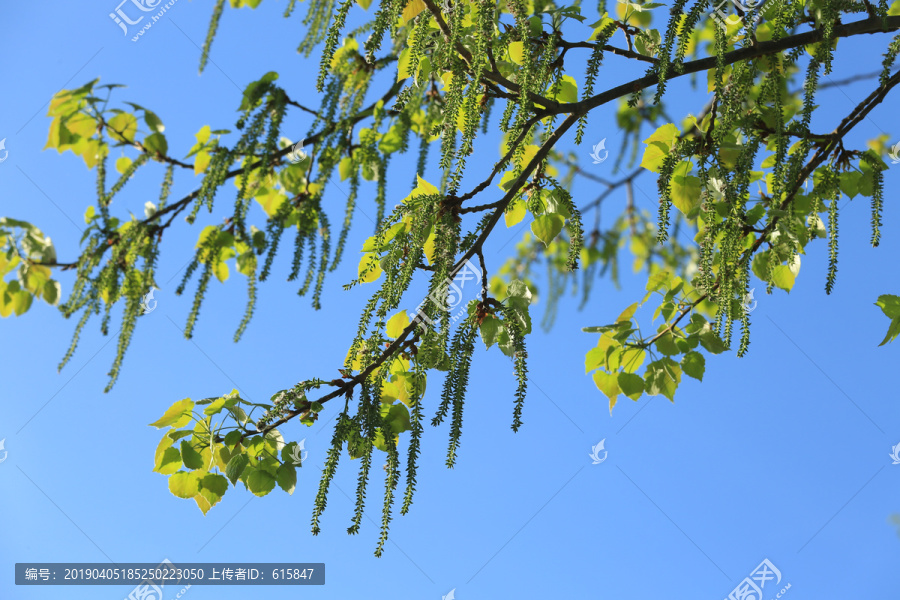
(415, 443)
(366, 422)
(877, 197)
(213, 27)
(454, 391)
(317, 21)
(342, 432)
(831, 187)
(520, 355)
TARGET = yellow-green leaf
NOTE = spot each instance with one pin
(428, 247)
(423, 188)
(122, 127)
(122, 163)
(185, 484)
(221, 271)
(178, 415)
(212, 488)
(783, 277)
(515, 213)
(201, 162)
(627, 313)
(568, 90)
(412, 8)
(547, 227)
(369, 265)
(685, 193)
(517, 53)
(168, 459)
(345, 168)
(397, 324)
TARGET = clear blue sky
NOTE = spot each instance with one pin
(781, 455)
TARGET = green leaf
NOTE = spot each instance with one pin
(658, 280)
(212, 487)
(391, 142)
(849, 183)
(260, 482)
(632, 359)
(607, 383)
(658, 147)
(167, 460)
(156, 143)
(711, 342)
(235, 467)
(890, 305)
(396, 417)
(685, 193)
(631, 385)
(251, 88)
(627, 313)
(218, 404)
(662, 377)
(595, 358)
(232, 438)
(490, 328)
(547, 227)
(51, 291)
(122, 127)
(221, 271)
(185, 484)
(694, 365)
(153, 122)
(177, 434)
(286, 476)
(568, 90)
(666, 344)
(783, 277)
(190, 457)
(178, 415)
(518, 298)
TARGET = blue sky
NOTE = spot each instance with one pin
(781, 455)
